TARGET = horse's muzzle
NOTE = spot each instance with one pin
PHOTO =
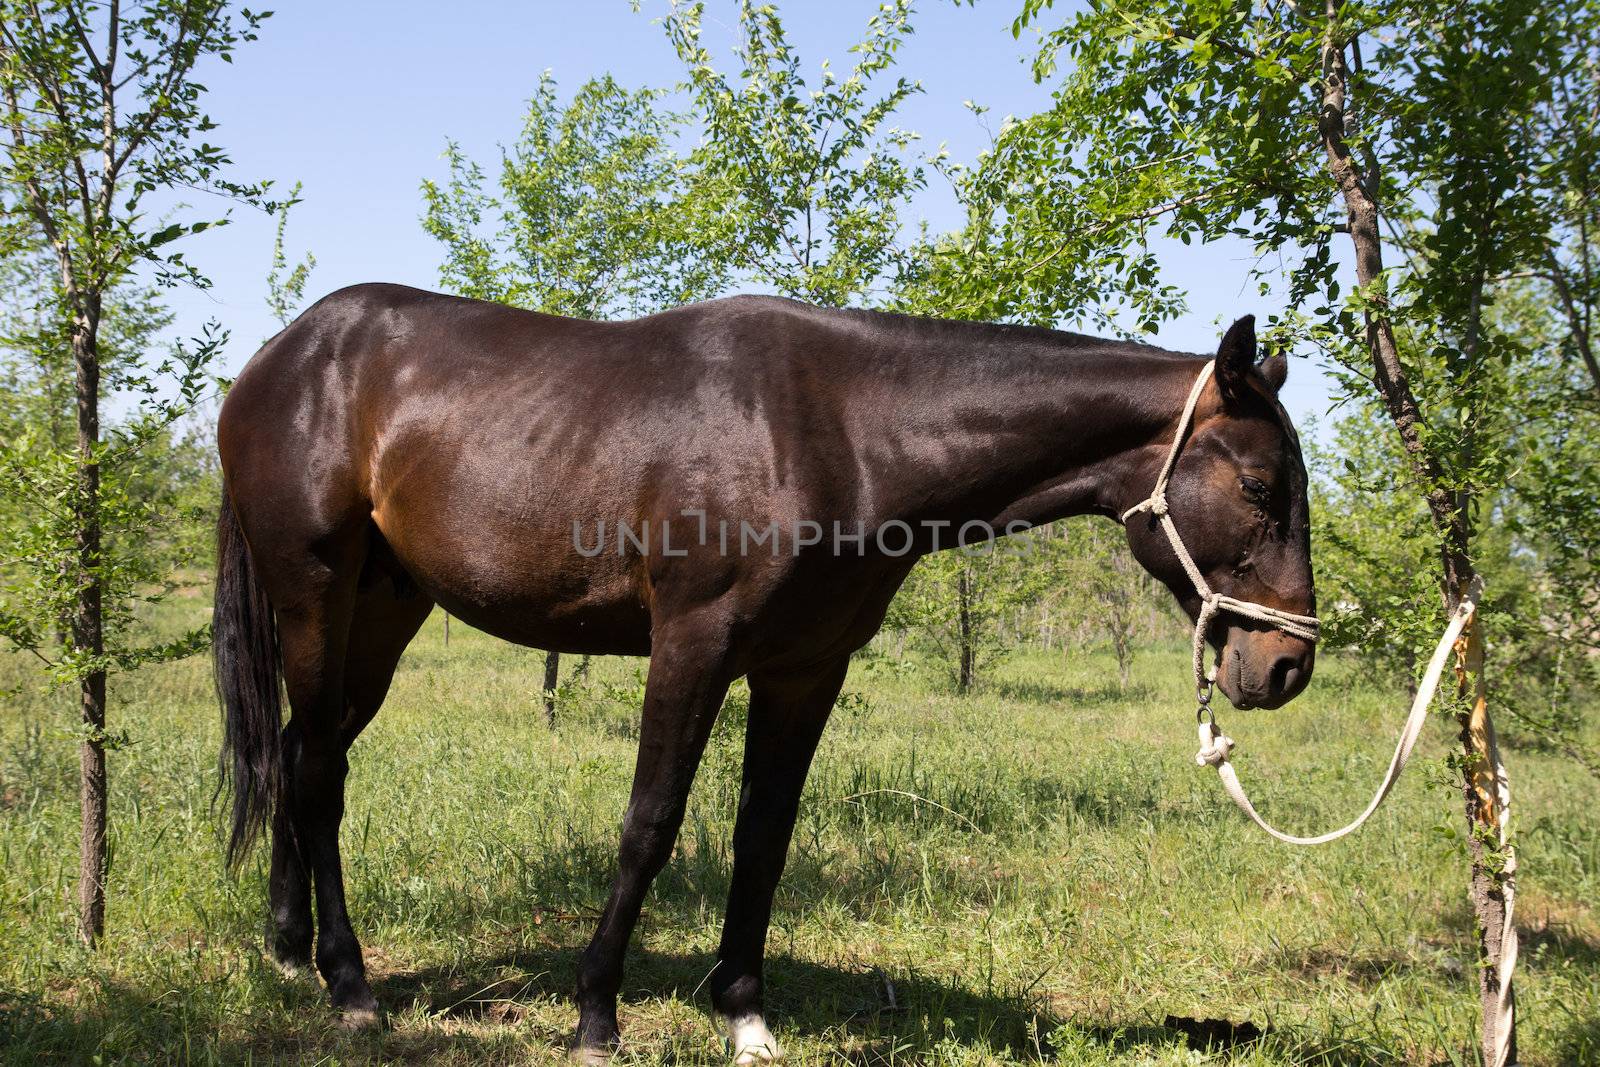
(1264, 669)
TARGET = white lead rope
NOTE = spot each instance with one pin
(1215, 746)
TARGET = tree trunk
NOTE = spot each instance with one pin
(964, 607)
(1394, 385)
(1493, 863)
(552, 669)
(1488, 890)
(88, 638)
(1124, 648)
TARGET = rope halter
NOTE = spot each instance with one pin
(1212, 603)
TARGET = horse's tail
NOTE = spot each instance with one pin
(244, 646)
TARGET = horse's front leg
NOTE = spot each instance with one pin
(688, 678)
(787, 714)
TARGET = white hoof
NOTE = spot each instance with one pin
(590, 1056)
(359, 1019)
(751, 1043)
(294, 972)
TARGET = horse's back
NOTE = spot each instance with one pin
(486, 443)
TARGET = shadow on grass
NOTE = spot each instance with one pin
(480, 1011)
(1032, 691)
(1561, 942)
(869, 1018)
(1367, 969)
(122, 1023)
(1579, 1041)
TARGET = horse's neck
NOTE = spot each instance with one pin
(1036, 433)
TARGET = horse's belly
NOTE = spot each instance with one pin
(521, 580)
(617, 630)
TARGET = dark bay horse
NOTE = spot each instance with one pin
(677, 486)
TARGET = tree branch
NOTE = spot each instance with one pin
(1575, 319)
(1390, 375)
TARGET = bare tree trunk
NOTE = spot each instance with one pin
(88, 638)
(1124, 649)
(552, 670)
(964, 608)
(1450, 516)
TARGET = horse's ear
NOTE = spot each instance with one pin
(1236, 357)
(1275, 369)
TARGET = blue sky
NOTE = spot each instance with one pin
(355, 99)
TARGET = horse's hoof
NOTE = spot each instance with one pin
(356, 1019)
(751, 1043)
(293, 970)
(591, 1055)
(290, 955)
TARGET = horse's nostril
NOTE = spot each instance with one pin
(1285, 674)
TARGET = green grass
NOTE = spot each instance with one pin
(1060, 879)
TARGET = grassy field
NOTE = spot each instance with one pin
(1037, 872)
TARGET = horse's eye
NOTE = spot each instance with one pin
(1254, 488)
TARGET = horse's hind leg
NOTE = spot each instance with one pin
(386, 617)
(787, 714)
(314, 594)
(289, 889)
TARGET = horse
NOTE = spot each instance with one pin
(735, 488)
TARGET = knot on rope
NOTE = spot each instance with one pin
(1158, 506)
(1214, 746)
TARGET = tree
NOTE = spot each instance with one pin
(38, 426)
(1102, 585)
(1562, 132)
(286, 285)
(102, 110)
(1543, 547)
(959, 599)
(803, 185)
(1410, 134)
(1376, 584)
(1549, 512)
(590, 215)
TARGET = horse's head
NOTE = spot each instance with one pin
(1237, 500)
